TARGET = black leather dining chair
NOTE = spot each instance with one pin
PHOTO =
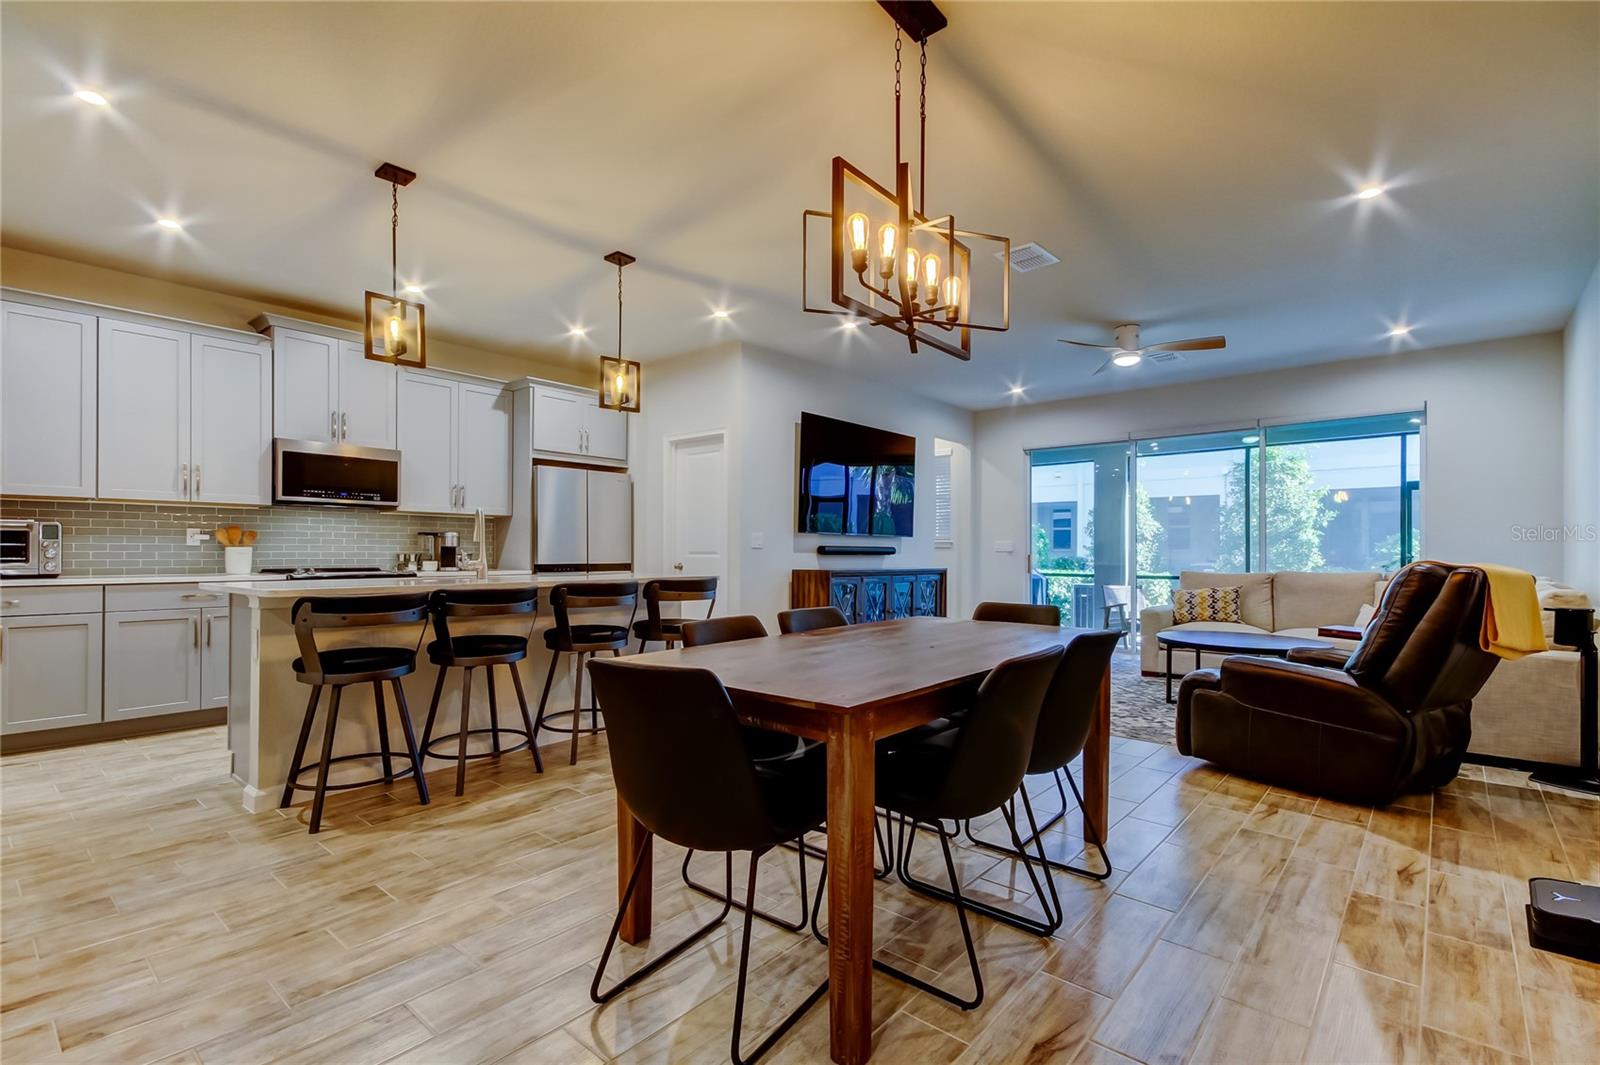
(583, 638)
(653, 628)
(480, 650)
(339, 667)
(1020, 613)
(963, 772)
(722, 630)
(810, 619)
(709, 796)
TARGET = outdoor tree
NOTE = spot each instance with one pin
(1297, 512)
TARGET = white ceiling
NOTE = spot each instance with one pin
(1191, 164)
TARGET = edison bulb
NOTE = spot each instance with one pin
(952, 298)
(394, 334)
(908, 277)
(888, 238)
(856, 229)
(930, 280)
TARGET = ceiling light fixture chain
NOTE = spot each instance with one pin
(619, 310)
(922, 130)
(394, 239)
(897, 96)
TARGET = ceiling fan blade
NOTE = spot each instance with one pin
(1103, 367)
(1086, 344)
(1198, 344)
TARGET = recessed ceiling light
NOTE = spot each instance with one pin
(1400, 331)
(578, 331)
(720, 314)
(1370, 191)
(849, 323)
(415, 290)
(169, 223)
(89, 96)
(1016, 390)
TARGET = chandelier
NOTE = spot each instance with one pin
(395, 331)
(619, 377)
(892, 265)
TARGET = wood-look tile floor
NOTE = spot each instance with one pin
(146, 917)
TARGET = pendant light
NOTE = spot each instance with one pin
(921, 285)
(619, 377)
(395, 326)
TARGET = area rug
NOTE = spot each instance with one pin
(1139, 707)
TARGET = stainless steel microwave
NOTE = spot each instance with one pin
(30, 548)
(315, 471)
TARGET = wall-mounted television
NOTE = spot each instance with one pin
(855, 480)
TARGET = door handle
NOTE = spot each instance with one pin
(344, 426)
(678, 566)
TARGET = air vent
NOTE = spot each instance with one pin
(1164, 356)
(1030, 256)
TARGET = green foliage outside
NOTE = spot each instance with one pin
(1297, 512)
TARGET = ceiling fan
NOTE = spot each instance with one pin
(1127, 351)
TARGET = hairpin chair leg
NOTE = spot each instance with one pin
(961, 914)
(788, 926)
(1045, 892)
(882, 872)
(672, 952)
(1035, 830)
(1054, 819)
(799, 1011)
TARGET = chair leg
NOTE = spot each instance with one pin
(300, 747)
(799, 1011)
(383, 730)
(494, 712)
(327, 756)
(411, 741)
(522, 702)
(549, 679)
(466, 718)
(1045, 892)
(672, 952)
(577, 712)
(1035, 830)
(788, 926)
(433, 710)
(961, 915)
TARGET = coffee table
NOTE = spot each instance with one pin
(1222, 642)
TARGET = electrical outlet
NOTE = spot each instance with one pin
(196, 537)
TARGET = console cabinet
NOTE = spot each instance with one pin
(872, 595)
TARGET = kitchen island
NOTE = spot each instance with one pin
(267, 703)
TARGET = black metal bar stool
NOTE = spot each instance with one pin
(339, 667)
(472, 651)
(563, 637)
(655, 628)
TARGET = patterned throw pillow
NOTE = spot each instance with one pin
(1205, 604)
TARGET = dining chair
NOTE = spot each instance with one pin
(710, 796)
(655, 628)
(1118, 599)
(810, 619)
(961, 773)
(565, 637)
(722, 630)
(1020, 613)
(480, 650)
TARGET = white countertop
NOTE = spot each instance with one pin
(284, 591)
(135, 578)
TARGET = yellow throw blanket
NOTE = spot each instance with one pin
(1512, 624)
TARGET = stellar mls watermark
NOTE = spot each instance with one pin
(1555, 534)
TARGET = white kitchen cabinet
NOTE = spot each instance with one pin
(214, 656)
(483, 447)
(455, 444)
(47, 402)
(427, 434)
(231, 435)
(570, 422)
(366, 398)
(152, 662)
(324, 389)
(49, 671)
(144, 390)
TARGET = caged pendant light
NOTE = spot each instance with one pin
(921, 285)
(619, 377)
(395, 329)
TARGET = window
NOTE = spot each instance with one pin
(1062, 521)
(943, 495)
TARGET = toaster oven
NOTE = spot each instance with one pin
(30, 548)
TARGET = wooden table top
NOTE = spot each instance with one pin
(843, 669)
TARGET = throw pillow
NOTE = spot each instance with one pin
(1205, 604)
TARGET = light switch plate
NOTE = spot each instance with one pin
(758, 540)
(1005, 547)
(196, 537)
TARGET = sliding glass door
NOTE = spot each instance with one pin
(1078, 544)
(1195, 498)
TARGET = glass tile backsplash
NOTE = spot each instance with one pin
(107, 538)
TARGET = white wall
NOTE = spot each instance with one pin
(1492, 450)
(1581, 386)
(757, 395)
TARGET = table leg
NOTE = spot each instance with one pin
(850, 854)
(1169, 673)
(1097, 763)
(636, 921)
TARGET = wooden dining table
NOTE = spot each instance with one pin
(851, 687)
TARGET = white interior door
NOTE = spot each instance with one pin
(695, 510)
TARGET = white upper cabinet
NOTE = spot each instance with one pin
(144, 412)
(232, 413)
(570, 422)
(366, 398)
(483, 447)
(324, 389)
(606, 433)
(47, 402)
(305, 385)
(427, 442)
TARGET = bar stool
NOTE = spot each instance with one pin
(563, 637)
(338, 667)
(654, 627)
(474, 650)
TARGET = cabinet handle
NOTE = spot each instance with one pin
(197, 480)
(194, 623)
(344, 426)
(200, 595)
(2, 643)
(10, 602)
(333, 424)
(208, 632)
(183, 475)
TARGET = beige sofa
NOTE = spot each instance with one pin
(1528, 710)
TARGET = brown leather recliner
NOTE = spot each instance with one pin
(1393, 716)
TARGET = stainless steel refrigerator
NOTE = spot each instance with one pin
(582, 520)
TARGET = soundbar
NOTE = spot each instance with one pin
(855, 549)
